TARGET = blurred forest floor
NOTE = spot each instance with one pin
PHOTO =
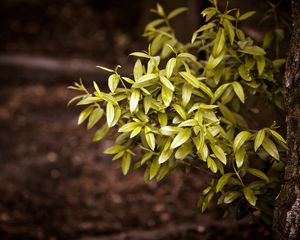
(55, 183)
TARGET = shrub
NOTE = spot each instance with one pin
(180, 109)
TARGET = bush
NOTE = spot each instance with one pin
(183, 106)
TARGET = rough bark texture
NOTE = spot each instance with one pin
(287, 212)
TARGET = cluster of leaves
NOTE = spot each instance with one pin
(180, 109)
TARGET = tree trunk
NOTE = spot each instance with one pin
(287, 207)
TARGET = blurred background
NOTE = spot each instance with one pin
(55, 183)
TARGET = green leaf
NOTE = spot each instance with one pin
(206, 89)
(213, 62)
(211, 164)
(240, 34)
(186, 94)
(189, 123)
(119, 155)
(114, 149)
(145, 81)
(277, 136)
(126, 162)
(110, 114)
(278, 63)
(246, 15)
(260, 136)
(147, 103)
(190, 79)
(227, 16)
(160, 10)
(96, 88)
(188, 56)
(239, 91)
(128, 127)
(227, 113)
(220, 90)
(231, 196)
(154, 167)
(183, 151)
(134, 100)
(199, 117)
(95, 117)
(142, 116)
(249, 195)
(150, 138)
(140, 54)
(214, 130)
(261, 62)
(117, 116)
(169, 130)
(170, 67)
(240, 139)
(181, 137)
(109, 98)
(201, 137)
(165, 155)
(270, 148)
(168, 48)
(240, 157)
(128, 80)
(209, 12)
(163, 172)
(227, 95)
(207, 200)
(204, 152)
(100, 134)
(201, 29)
(156, 46)
(176, 12)
(167, 83)
(163, 119)
(197, 106)
(254, 50)
(74, 99)
(258, 173)
(166, 95)
(268, 38)
(209, 115)
(219, 43)
(154, 24)
(113, 82)
(122, 138)
(105, 69)
(180, 110)
(206, 190)
(206, 27)
(135, 131)
(138, 70)
(146, 157)
(244, 73)
(223, 181)
(229, 29)
(219, 153)
(84, 114)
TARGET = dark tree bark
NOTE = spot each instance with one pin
(287, 207)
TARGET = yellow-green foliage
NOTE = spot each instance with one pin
(179, 109)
